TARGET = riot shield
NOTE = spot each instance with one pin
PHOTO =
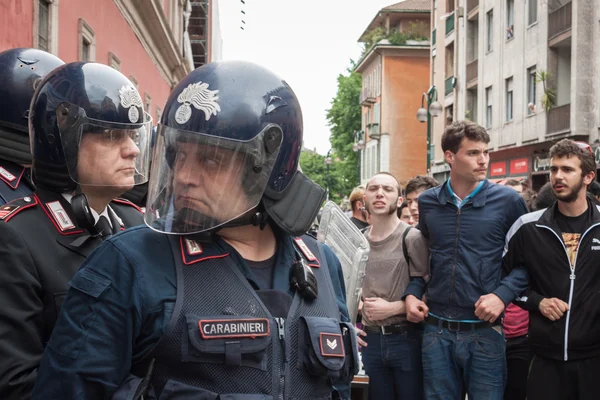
(350, 245)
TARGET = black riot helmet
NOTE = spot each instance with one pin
(21, 71)
(229, 139)
(82, 102)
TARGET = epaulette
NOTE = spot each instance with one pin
(9, 210)
(10, 179)
(127, 203)
(309, 256)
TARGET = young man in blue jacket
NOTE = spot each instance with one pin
(466, 221)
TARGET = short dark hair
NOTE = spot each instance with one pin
(530, 197)
(545, 197)
(512, 183)
(458, 130)
(402, 207)
(568, 148)
(398, 187)
(594, 188)
(420, 182)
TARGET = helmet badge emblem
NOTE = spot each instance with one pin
(130, 98)
(199, 96)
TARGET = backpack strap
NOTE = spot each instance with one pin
(404, 249)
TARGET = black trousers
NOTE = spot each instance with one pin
(518, 359)
(563, 380)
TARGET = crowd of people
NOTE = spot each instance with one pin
(486, 274)
(214, 290)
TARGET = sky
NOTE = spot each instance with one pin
(307, 43)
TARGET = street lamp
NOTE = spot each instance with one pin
(359, 144)
(328, 162)
(424, 115)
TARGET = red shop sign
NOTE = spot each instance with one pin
(498, 168)
(519, 166)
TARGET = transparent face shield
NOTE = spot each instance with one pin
(101, 153)
(200, 182)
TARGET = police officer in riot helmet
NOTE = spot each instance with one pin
(89, 142)
(21, 70)
(222, 295)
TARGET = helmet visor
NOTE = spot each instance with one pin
(101, 153)
(200, 182)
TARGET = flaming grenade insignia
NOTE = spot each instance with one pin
(130, 98)
(199, 96)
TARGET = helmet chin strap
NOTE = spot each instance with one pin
(294, 212)
(254, 217)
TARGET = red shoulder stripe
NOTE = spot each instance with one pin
(11, 209)
(128, 203)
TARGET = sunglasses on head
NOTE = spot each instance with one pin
(584, 146)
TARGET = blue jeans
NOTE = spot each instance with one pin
(475, 357)
(393, 364)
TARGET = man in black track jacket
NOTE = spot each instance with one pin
(560, 247)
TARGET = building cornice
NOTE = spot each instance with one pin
(363, 62)
(150, 25)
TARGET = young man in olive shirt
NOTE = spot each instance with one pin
(391, 345)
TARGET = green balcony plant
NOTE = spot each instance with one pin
(549, 94)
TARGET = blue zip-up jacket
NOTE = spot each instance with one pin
(466, 245)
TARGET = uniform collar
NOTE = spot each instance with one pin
(478, 196)
(59, 211)
(108, 212)
(11, 173)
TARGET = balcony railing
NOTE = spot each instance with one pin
(449, 87)
(559, 119)
(433, 34)
(472, 70)
(560, 20)
(366, 98)
(450, 23)
(471, 5)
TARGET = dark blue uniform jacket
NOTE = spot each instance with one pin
(117, 310)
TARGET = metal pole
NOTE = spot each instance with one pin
(427, 169)
(358, 155)
(430, 99)
(327, 174)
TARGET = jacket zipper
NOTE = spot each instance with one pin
(571, 278)
(281, 330)
(455, 255)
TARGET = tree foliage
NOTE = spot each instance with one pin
(344, 119)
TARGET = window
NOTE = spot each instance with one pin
(488, 107)
(471, 112)
(509, 99)
(490, 30)
(380, 81)
(510, 19)
(531, 90)
(449, 115)
(158, 115)
(43, 25)
(113, 61)
(434, 13)
(532, 16)
(147, 102)
(135, 82)
(87, 42)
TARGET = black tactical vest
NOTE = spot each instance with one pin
(222, 342)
